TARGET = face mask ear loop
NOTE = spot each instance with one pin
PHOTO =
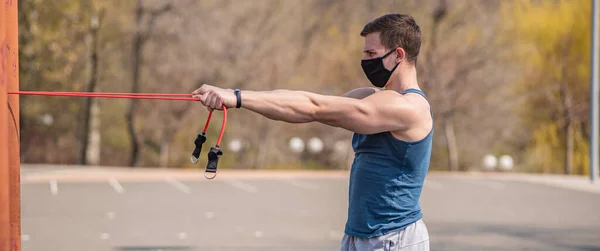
(387, 54)
(393, 69)
(384, 56)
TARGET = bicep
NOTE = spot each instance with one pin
(374, 114)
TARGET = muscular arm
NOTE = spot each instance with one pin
(378, 112)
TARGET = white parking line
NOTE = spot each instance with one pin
(302, 184)
(104, 236)
(25, 237)
(177, 184)
(54, 187)
(116, 185)
(242, 185)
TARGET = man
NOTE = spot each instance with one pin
(392, 125)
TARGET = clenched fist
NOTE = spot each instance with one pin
(214, 97)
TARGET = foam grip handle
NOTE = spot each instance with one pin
(196, 152)
(198, 142)
(213, 159)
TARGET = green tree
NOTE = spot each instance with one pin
(552, 44)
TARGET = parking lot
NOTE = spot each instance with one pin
(293, 213)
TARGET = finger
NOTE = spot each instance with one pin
(204, 98)
(209, 99)
(209, 109)
(197, 92)
(200, 90)
(215, 102)
(220, 103)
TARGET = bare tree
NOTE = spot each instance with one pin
(84, 137)
(467, 50)
(140, 38)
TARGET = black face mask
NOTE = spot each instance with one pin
(376, 71)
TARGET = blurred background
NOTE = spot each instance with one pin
(508, 82)
(505, 78)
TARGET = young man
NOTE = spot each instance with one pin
(392, 125)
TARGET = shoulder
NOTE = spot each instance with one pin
(412, 108)
(407, 101)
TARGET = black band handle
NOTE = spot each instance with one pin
(198, 142)
(213, 160)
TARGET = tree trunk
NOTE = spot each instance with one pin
(569, 148)
(263, 148)
(91, 86)
(567, 113)
(94, 144)
(265, 131)
(139, 39)
(165, 145)
(129, 115)
(438, 14)
(451, 143)
(568, 126)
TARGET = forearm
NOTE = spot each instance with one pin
(283, 105)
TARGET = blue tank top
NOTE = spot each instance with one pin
(386, 180)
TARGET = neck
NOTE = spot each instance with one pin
(405, 77)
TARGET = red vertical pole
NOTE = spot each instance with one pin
(14, 160)
(4, 169)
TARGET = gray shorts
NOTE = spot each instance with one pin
(412, 238)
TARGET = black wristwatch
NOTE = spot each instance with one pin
(238, 95)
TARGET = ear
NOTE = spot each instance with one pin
(401, 54)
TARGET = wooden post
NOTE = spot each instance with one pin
(4, 170)
(14, 159)
(10, 215)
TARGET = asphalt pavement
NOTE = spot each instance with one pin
(293, 212)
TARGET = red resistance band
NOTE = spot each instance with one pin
(214, 153)
(156, 96)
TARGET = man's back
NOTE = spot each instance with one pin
(386, 180)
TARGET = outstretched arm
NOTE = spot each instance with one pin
(379, 112)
